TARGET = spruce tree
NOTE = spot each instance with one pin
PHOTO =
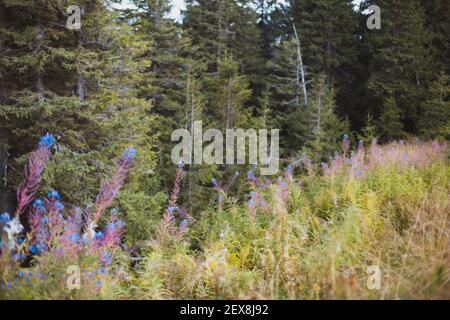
(79, 85)
(400, 67)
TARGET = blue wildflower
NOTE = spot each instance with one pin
(20, 274)
(180, 164)
(106, 257)
(53, 194)
(75, 238)
(102, 270)
(345, 137)
(289, 168)
(43, 220)
(33, 249)
(59, 206)
(214, 182)
(4, 218)
(20, 240)
(98, 235)
(129, 153)
(47, 141)
(184, 223)
(250, 175)
(38, 203)
(172, 209)
(19, 256)
(99, 283)
(283, 184)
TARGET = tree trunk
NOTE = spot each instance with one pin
(80, 88)
(300, 70)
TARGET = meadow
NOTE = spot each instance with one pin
(317, 231)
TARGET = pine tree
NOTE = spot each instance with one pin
(326, 129)
(327, 29)
(400, 67)
(289, 94)
(437, 16)
(80, 86)
(436, 118)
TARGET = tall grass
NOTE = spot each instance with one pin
(312, 233)
(309, 235)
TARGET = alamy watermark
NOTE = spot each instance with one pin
(374, 20)
(73, 278)
(374, 280)
(74, 20)
(190, 149)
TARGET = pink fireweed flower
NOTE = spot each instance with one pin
(220, 191)
(113, 232)
(33, 171)
(110, 188)
(169, 221)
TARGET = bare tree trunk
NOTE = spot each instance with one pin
(80, 88)
(229, 86)
(300, 70)
(38, 44)
(319, 109)
(192, 105)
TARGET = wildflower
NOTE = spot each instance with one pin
(4, 218)
(184, 223)
(98, 235)
(46, 141)
(236, 174)
(250, 175)
(20, 240)
(33, 249)
(106, 257)
(360, 143)
(98, 283)
(44, 220)
(214, 182)
(129, 153)
(180, 164)
(59, 206)
(110, 188)
(36, 164)
(283, 184)
(53, 194)
(38, 204)
(172, 209)
(20, 274)
(18, 256)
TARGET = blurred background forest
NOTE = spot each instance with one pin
(131, 76)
